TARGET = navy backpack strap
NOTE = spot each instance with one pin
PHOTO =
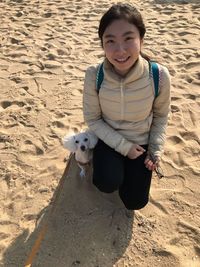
(99, 77)
(154, 70)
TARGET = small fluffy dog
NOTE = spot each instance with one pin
(81, 145)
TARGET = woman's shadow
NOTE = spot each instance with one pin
(84, 227)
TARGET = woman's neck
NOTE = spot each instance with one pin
(123, 74)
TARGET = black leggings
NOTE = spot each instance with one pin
(112, 171)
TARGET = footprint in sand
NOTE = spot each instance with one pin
(165, 256)
(29, 148)
(6, 104)
(188, 234)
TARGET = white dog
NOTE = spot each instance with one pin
(81, 145)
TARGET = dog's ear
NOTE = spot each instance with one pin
(92, 139)
(69, 143)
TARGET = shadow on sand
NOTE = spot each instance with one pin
(85, 228)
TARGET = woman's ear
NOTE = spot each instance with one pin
(69, 143)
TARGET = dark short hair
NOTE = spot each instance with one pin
(122, 11)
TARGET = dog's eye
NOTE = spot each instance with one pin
(86, 139)
(76, 141)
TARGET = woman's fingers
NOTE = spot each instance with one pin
(135, 151)
(146, 160)
(149, 164)
(140, 148)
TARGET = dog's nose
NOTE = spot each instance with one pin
(83, 148)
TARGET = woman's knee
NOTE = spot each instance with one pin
(136, 204)
(106, 186)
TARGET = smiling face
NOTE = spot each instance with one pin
(122, 45)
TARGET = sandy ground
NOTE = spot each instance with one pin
(45, 48)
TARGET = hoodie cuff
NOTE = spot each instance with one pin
(124, 147)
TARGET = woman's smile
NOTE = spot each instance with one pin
(122, 60)
(122, 45)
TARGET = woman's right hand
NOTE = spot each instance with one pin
(135, 151)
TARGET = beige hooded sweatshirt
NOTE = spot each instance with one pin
(125, 111)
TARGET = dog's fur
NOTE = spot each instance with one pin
(81, 145)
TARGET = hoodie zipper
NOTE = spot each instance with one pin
(122, 99)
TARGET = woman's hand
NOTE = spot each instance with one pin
(151, 163)
(135, 151)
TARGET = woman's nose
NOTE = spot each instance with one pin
(120, 47)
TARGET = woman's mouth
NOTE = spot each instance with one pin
(122, 60)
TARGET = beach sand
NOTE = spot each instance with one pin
(45, 48)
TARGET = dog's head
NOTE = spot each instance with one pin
(80, 142)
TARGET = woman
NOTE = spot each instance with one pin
(125, 115)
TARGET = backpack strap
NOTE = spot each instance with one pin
(153, 70)
(155, 74)
(99, 77)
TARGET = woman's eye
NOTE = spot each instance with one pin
(129, 38)
(109, 42)
(76, 141)
(86, 139)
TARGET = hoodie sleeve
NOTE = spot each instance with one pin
(93, 117)
(161, 110)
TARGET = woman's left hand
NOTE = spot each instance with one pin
(150, 163)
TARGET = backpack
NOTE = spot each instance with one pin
(153, 70)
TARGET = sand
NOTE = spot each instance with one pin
(45, 48)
